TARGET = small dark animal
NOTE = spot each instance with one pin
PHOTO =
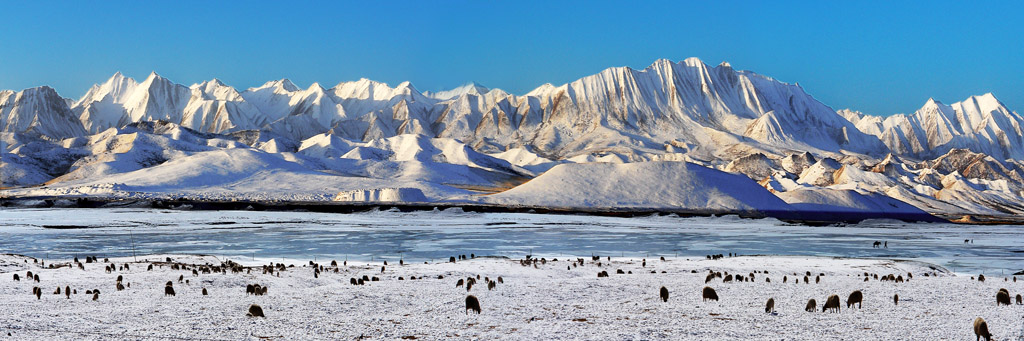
(17, 278)
(168, 291)
(981, 278)
(95, 295)
(250, 290)
(472, 304)
(460, 283)
(37, 292)
(255, 311)
(491, 285)
(896, 299)
(664, 294)
(857, 298)
(500, 280)
(981, 330)
(1002, 297)
(831, 304)
(36, 277)
(205, 292)
(1020, 300)
(784, 279)
(876, 244)
(812, 306)
(709, 294)
(770, 306)
(469, 285)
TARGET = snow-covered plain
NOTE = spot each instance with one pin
(550, 301)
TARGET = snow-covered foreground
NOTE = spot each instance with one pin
(544, 302)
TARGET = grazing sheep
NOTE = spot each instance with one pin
(120, 287)
(728, 278)
(770, 306)
(353, 281)
(469, 285)
(491, 285)
(205, 293)
(602, 274)
(459, 283)
(67, 291)
(250, 290)
(620, 272)
(382, 269)
(168, 291)
(367, 278)
(149, 268)
(36, 277)
(784, 279)
(981, 329)
(709, 294)
(451, 259)
(857, 298)
(895, 299)
(16, 278)
(767, 280)
(374, 279)
(1020, 300)
(709, 278)
(472, 303)
(866, 279)
(1002, 297)
(95, 295)
(664, 294)
(981, 278)
(806, 280)
(37, 292)
(257, 289)
(500, 280)
(831, 304)
(812, 306)
(264, 291)
(255, 311)
(181, 278)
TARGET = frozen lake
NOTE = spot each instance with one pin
(61, 233)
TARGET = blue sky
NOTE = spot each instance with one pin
(877, 57)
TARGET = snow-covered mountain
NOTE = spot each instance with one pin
(959, 158)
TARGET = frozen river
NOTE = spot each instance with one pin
(61, 233)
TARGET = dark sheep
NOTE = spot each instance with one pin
(95, 295)
(1002, 297)
(181, 278)
(727, 279)
(255, 311)
(981, 330)
(264, 291)
(472, 303)
(1020, 300)
(806, 280)
(168, 291)
(709, 294)
(120, 286)
(36, 277)
(500, 280)
(812, 306)
(469, 286)
(491, 285)
(602, 274)
(664, 294)
(67, 291)
(460, 283)
(149, 268)
(205, 293)
(817, 279)
(709, 278)
(770, 306)
(784, 279)
(17, 278)
(353, 281)
(257, 289)
(831, 304)
(250, 290)
(37, 292)
(451, 259)
(981, 278)
(896, 299)
(857, 298)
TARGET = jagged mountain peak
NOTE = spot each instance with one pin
(471, 88)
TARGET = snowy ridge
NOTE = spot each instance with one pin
(963, 158)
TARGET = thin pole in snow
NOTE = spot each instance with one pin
(132, 236)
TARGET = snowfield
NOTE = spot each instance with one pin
(548, 301)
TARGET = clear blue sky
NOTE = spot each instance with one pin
(877, 57)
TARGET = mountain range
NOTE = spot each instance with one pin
(964, 157)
